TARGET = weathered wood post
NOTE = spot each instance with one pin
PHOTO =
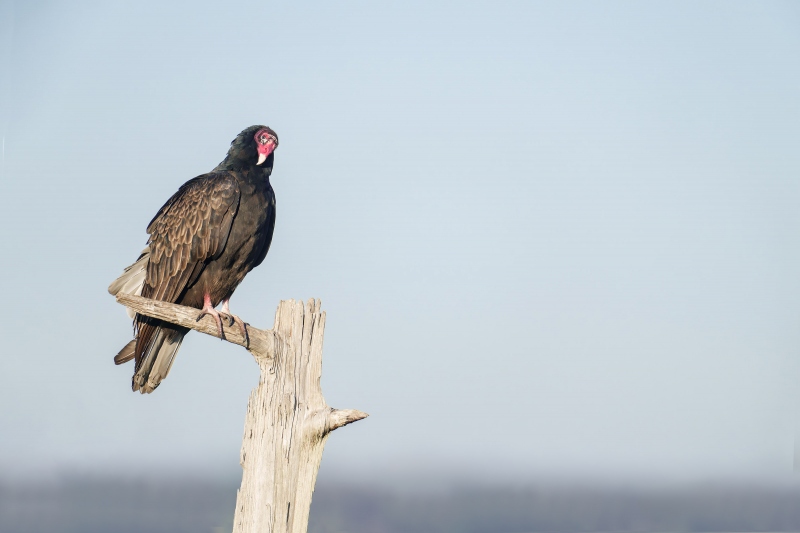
(287, 421)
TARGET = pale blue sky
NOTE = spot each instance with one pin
(550, 236)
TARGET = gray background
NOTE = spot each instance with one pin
(552, 238)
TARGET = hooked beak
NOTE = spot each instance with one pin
(265, 149)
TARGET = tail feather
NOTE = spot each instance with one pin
(157, 355)
(127, 353)
(156, 342)
(132, 279)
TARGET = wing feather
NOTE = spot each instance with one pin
(191, 228)
(188, 231)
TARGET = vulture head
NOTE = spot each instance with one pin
(253, 147)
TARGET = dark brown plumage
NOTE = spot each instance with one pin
(202, 243)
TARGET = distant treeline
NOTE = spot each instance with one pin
(101, 506)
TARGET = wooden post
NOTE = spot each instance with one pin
(287, 421)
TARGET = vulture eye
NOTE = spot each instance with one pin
(263, 139)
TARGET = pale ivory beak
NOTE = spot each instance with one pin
(261, 158)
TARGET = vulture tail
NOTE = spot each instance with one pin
(158, 343)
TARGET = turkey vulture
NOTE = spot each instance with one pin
(203, 242)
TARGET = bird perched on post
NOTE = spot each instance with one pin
(203, 242)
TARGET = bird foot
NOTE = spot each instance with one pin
(208, 310)
(231, 318)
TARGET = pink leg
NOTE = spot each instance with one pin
(226, 312)
(208, 309)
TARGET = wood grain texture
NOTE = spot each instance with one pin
(286, 426)
(287, 421)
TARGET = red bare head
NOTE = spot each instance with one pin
(266, 142)
(252, 147)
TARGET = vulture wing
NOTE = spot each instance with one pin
(191, 229)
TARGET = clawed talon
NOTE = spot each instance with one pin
(213, 312)
(242, 328)
(246, 336)
(228, 317)
(224, 314)
(208, 309)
